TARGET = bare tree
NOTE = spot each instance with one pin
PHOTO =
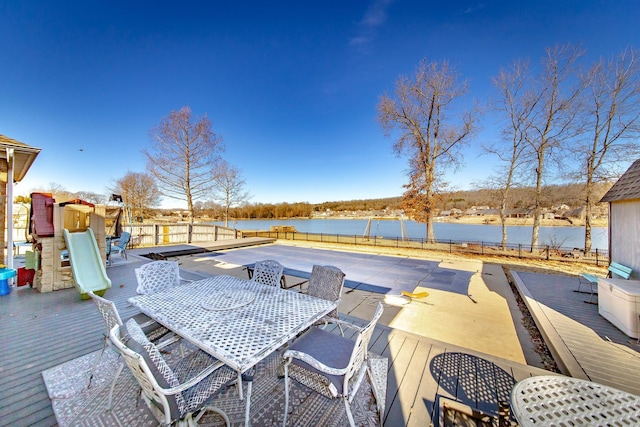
(183, 151)
(61, 194)
(431, 131)
(612, 112)
(139, 191)
(91, 197)
(552, 123)
(515, 105)
(228, 188)
(57, 191)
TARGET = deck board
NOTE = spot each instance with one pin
(40, 331)
(408, 390)
(401, 368)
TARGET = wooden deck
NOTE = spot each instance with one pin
(39, 331)
(584, 344)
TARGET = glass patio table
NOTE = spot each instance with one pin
(550, 400)
(236, 321)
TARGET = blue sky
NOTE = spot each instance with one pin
(291, 86)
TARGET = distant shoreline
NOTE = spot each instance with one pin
(494, 220)
(480, 220)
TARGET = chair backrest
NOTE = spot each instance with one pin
(326, 282)
(108, 311)
(123, 240)
(150, 370)
(267, 272)
(156, 276)
(620, 270)
(360, 348)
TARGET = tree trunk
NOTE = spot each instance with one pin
(503, 222)
(588, 212)
(431, 235)
(537, 212)
(190, 207)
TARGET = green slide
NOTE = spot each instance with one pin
(88, 269)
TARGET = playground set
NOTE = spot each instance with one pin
(69, 245)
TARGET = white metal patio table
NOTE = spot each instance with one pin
(237, 321)
(554, 400)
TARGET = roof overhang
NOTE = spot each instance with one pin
(23, 157)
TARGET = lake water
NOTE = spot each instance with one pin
(567, 237)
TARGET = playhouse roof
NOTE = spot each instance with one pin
(24, 156)
(627, 187)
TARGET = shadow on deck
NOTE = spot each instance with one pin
(40, 331)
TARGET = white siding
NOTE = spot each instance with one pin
(624, 223)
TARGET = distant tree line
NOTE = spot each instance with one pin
(571, 195)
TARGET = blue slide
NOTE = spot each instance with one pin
(88, 269)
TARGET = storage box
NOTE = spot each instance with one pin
(25, 276)
(619, 303)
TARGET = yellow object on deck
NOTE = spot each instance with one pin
(416, 295)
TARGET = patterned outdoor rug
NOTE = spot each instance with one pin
(76, 405)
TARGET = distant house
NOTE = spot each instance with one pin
(519, 213)
(548, 215)
(624, 219)
(452, 212)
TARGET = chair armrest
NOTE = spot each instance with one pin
(194, 380)
(182, 279)
(294, 354)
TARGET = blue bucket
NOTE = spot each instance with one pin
(5, 275)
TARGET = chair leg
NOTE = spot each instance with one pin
(286, 394)
(591, 296)
(97, 361)
(376, 393)
(113, 384)
(352, 423)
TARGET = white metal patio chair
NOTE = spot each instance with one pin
(153, 330)
(156, 276)
(326, 282)
(177, 394)
(267, 272)
(332, 365)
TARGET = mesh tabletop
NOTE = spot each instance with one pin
(565, 401)
(237, 321)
